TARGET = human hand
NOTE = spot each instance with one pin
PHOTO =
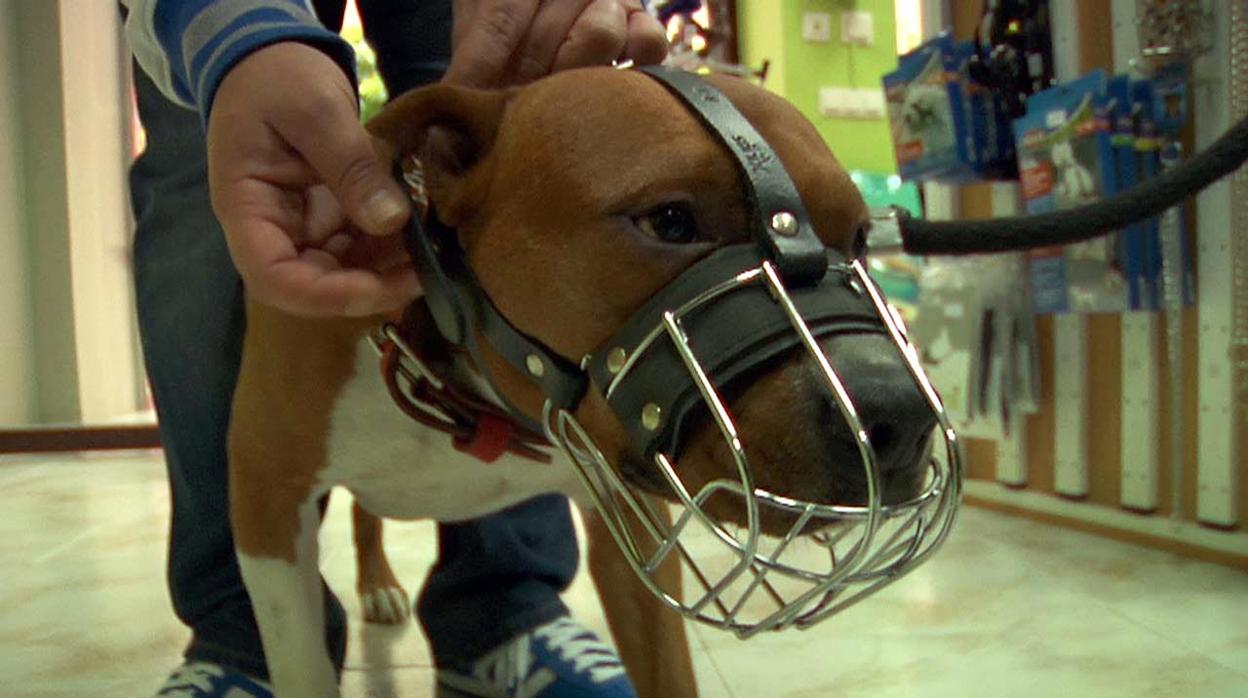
(509, 42)
(311, 214)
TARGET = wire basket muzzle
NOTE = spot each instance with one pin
(826, 556)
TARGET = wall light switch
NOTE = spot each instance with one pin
(851, 103)
(817, 27)
(858, 28)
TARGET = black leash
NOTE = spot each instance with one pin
(898, 231)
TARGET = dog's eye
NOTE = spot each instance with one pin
(673, 223)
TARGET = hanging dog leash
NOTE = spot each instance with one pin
(895, 230)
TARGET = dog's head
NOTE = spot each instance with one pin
(580, 200)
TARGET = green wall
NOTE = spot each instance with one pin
(772, 29)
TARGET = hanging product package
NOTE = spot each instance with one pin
(1171, 112)
(947, 127)
(978, 341)
(928, 114)
(1127, 117)
(1066, 159)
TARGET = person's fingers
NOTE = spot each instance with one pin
(551, 24)
(305, 280)
(647, 40)
(324, 290)
(598, 37)
(487, 35)
(346, 161)
(322, 215)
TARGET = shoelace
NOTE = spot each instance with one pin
(582, 649)
(509, 672)
(192, 676)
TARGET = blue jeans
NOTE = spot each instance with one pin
(495, 577)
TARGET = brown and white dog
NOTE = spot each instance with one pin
(561, 195)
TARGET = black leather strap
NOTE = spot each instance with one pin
(768, 189)
(735, 333)
(459, 306)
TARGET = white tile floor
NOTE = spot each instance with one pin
(1008, 608)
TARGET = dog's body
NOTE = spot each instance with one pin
(347, 425)
(371, 447)
(565, 242)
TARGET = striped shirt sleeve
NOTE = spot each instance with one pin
(187, 46)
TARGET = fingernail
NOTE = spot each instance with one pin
(383, 211)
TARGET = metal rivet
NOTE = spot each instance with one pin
(650, 415)
(784, 223)
(616, 359)
(534, 362)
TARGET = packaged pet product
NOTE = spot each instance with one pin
(1171, 110)
(1066, 159)
(990, 124)
(929, 116)
(975, 332)
(1124, 118)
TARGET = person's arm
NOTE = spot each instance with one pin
(311, 215)
(187, 46)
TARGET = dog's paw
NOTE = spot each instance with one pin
(385, 604)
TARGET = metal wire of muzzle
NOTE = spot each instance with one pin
(743, 580)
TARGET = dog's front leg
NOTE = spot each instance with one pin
(649, 636)
(276, 540)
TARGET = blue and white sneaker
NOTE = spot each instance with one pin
(561, 659)
(208, 680)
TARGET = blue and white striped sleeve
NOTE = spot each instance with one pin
(187, 46)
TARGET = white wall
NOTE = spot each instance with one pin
(67, 340)
(17, 403)
(94, 88)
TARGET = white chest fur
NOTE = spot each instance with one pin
(399, 469)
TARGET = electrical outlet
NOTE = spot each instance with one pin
(857, 28)
(817, 27)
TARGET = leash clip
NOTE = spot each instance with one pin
(387, 335)
(885, 236)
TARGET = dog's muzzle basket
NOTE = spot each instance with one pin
(832, 555)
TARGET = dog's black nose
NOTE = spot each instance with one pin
(897, 417)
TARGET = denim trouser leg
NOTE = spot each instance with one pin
(190, 309)
(498, 576)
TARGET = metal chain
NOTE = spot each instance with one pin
(1239, 201)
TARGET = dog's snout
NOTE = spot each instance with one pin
(894, 413)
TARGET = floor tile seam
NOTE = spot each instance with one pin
(1170, 641)
(719, 673)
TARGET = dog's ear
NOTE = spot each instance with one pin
(451, 129)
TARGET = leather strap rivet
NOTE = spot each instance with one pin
(784, 223)
(616, 360)
(650, 416)
(535, 365)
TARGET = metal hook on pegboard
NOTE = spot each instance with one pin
(1172, 31)
(1239, 204)
(1172, 35)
